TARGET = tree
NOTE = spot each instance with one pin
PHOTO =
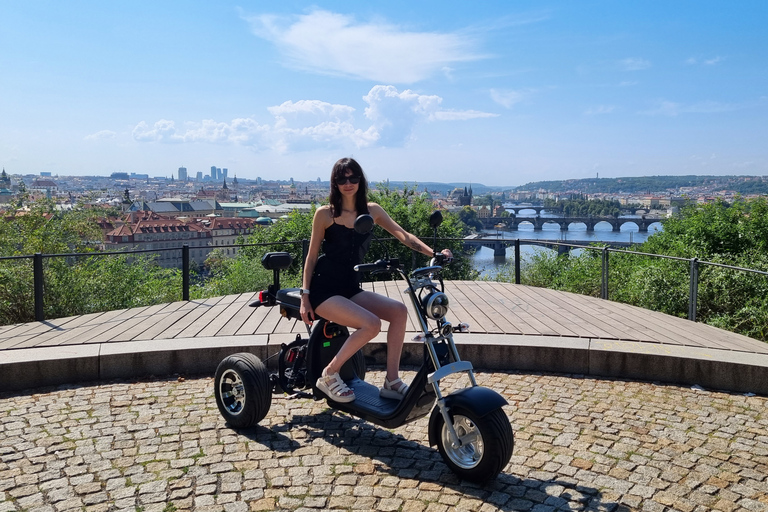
(73, 285)
(412, 213)
(468, 217)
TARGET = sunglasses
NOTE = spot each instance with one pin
(352, 179)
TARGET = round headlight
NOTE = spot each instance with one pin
(436, 305)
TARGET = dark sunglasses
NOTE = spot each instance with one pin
(344, 179)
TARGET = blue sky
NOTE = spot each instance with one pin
(493, 92)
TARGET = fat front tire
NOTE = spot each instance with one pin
(243, 390)
(487, 443)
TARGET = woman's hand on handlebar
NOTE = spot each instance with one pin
(307, 313)
(444, 256)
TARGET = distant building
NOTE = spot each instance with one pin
(5, 180)
(47, 186)
(146, 230)
(462, 198)
(182, 174)
(226, 230)
(177, 207)
(120, 176)
(5, 188)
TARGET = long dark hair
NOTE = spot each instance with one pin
(340, 170)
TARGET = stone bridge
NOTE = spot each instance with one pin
(512, 223)
(499, 245)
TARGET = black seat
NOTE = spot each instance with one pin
(290, 296)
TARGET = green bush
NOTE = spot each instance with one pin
(735, 235)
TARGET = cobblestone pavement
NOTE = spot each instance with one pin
(581, 444)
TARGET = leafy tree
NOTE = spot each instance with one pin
(468, 217)
(243, 274)
(73, 285)
(412, 213)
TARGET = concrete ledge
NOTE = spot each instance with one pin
(48, 366)
(525, 353)
(166, 357)
(710, 368)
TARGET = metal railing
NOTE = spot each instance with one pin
(694, 264)
(39, 274)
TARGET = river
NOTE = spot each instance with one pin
(485, 262)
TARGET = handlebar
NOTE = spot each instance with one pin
(381, 265)
(440, 259)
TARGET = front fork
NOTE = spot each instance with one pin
(443, 371)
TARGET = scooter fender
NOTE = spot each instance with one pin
(479, 400)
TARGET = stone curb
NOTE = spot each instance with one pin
(742, 372)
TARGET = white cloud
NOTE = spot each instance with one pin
(634, 64)
(461, 115)
(101, 135)
(311, 124)
(162, 131)
(239, 131)
(508, 98)
(330, 43)
(307, 124)
(693, 61)
(671, 109)
(600, 109)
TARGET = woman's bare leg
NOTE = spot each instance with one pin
(346, 312)
(396, 314)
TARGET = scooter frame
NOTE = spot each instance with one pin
(481, 407)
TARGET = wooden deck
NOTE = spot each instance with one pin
(489, 308)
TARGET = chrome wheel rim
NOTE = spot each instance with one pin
(470, 453)
(232, 392)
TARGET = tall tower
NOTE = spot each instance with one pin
(182, 174)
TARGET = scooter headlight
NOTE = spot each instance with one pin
(436, 305)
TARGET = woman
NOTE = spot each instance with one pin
(331, 287)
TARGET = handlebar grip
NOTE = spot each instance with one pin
(368, 267)
(440, 259)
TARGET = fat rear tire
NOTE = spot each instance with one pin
(488, 448)
(243, 390)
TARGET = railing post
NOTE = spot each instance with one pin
(37, 271)
(517, 261)
(694, 293)
(304, 251)
(185, 272)
(604, 280)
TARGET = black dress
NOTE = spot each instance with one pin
(334, 274)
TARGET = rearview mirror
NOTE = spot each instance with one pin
(364, 224)
(435, 219)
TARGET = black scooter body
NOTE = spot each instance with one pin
(325, 341)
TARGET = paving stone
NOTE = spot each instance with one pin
(580, 444)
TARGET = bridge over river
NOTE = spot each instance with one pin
(512, 223)
(499, 245)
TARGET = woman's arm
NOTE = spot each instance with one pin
(383, 219)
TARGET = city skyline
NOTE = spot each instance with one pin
(496, 93)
